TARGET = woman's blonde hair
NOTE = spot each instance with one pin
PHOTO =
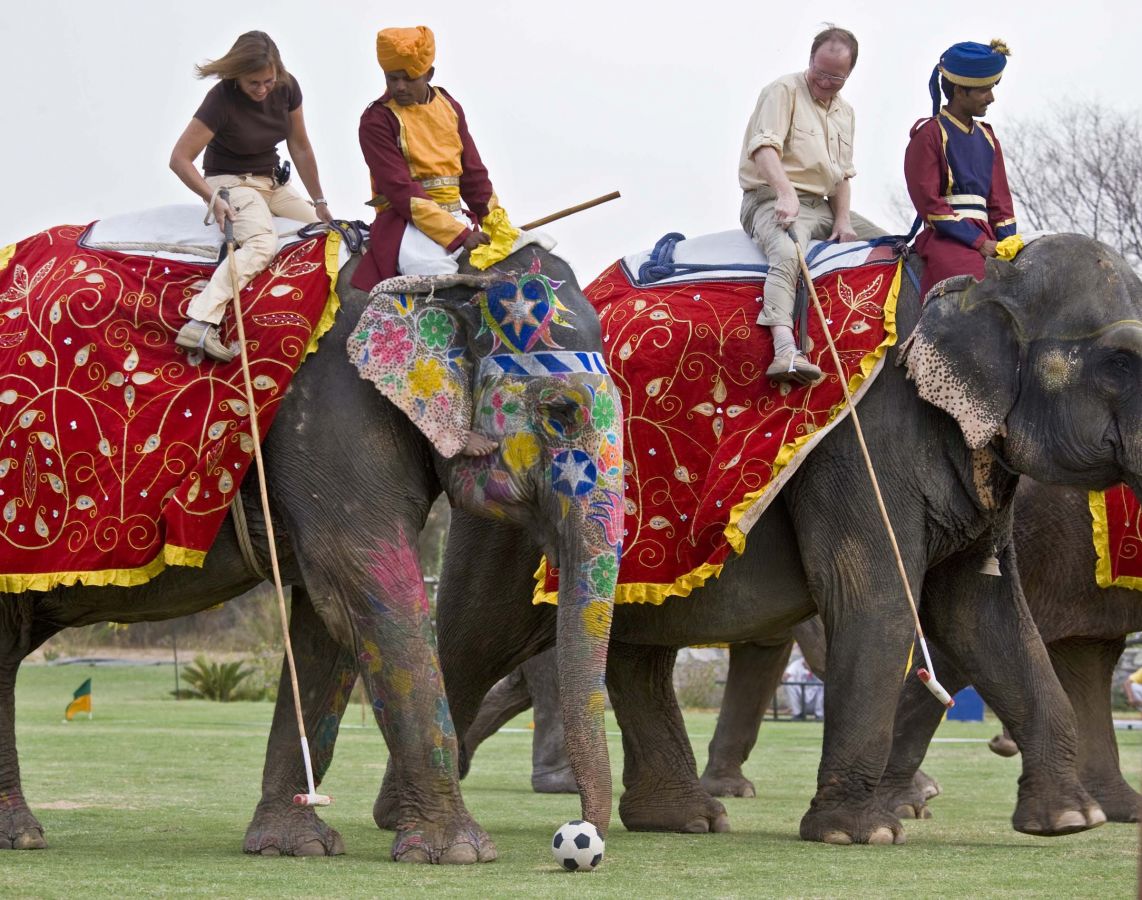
(252, 52)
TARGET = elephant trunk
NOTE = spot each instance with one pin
(587, 573)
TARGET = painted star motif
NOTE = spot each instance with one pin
(575, 473)
(518, 314)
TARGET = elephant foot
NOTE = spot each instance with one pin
(288, 830)
(845, 825)
(19, 829)
(727, 783)
(911, 800)
(1002, 745)
(1048, 809)
(927, 786)
(686, 811)
(560, 781)
(1120, 802)
(459, 843)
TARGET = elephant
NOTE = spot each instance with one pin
(1034, 371)
(1082, 625)
(351, 481)
(1084, 628)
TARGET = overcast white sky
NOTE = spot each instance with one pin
(566, 101)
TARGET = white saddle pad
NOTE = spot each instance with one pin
(174, 232)
(736, 247)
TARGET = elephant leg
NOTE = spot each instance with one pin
(326, 673)
(550, 766)
(659, 772)
(507, 699)
(485, 625)
(1085, 667)
(983, 625)
(859, 705)
(754, 674)
(19, 829)
(904, 789)
(401, 671)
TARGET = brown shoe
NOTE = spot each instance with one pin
(196, 335)
(793, 365)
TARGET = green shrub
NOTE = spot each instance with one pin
(219, 681)
(696, 684)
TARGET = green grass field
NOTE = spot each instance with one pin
(152, 798)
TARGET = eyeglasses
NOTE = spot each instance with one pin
(825, 76)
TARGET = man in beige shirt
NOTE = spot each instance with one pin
(796, 162)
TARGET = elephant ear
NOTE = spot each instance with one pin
(412, 345)
(964, 353)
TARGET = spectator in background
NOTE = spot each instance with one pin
(806, 692)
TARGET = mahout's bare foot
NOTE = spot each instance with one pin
(478, 445)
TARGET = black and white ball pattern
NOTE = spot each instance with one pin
(578, 846)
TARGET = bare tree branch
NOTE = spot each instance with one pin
(1080, 169)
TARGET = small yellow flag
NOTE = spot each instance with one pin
(81, 701)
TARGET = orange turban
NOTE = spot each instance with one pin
(411, 49)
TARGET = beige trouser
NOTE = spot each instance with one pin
(255, 200)
(815, 220)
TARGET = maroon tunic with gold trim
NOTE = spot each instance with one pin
(422, 163)
(958, 184)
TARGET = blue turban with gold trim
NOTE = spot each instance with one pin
(968, 64)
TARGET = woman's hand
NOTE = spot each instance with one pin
(222, 212)
(323, 213)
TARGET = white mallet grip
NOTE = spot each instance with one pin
(936, 688)
(311, 797)
(311, 800)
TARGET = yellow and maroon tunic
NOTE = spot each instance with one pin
(422, 164)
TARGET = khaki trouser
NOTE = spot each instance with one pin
(815, 220)
(256, 199)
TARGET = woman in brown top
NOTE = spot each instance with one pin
(255, 105)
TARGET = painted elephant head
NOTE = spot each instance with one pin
(1043, 358)
(519, 360)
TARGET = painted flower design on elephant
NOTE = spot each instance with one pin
(503, 402)
(391, 344)
(436, 329)
(610, 455)
(603, 412)
(426, 377)
(604, 574)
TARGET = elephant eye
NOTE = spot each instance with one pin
(563, 416)
(1118, 369)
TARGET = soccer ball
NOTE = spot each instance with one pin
(577, 846)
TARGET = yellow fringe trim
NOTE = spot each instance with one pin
(6, 254)
(648, 592)
(1100, 533)
(333, 304)
(170, 555)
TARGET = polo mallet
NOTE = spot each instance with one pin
(570, 211)
(928, 675)
(311, 798)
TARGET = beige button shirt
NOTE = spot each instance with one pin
(814, 141)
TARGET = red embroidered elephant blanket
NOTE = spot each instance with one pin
(119, 452)
(1117, 524)
(709, 438)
